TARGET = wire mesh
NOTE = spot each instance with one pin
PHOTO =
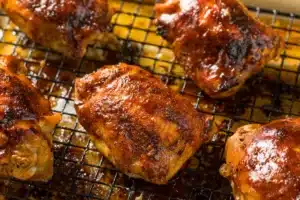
(82, 173)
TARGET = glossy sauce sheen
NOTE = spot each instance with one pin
(148, 130)
(70, 14)
(19, 101)
(26, 122)
(273, 160)
(66, 26)
(263, 161)
(217, 42)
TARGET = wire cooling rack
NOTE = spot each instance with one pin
(82, 173)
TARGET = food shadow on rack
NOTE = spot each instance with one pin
(263, 96)
(81, 170)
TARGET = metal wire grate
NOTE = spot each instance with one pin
(82, 173)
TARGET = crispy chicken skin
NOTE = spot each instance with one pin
(218, 43)
(263, 162)
(66, 26)
(145, 129)
(26, 123)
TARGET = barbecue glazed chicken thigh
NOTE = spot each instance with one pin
(145, 129)
(263, 162)
(26, 123)
(66, 26)
(218, 43)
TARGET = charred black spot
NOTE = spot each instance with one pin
(237, 50)
(11, 115)
(261, 43)
(162, 31)
(8, 118)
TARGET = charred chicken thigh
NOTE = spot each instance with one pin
(263, 162)
(26, 123)
(218, 43)
(145, 129)
(66, 26)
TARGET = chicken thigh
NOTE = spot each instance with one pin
(218, 43)
(263, 161)
(66, 26)
(143, 127)
(26, 123)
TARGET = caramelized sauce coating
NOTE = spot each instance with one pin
(218, 43)
(67, 26)
(26, 123)
(263, 162)
(144, 128)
